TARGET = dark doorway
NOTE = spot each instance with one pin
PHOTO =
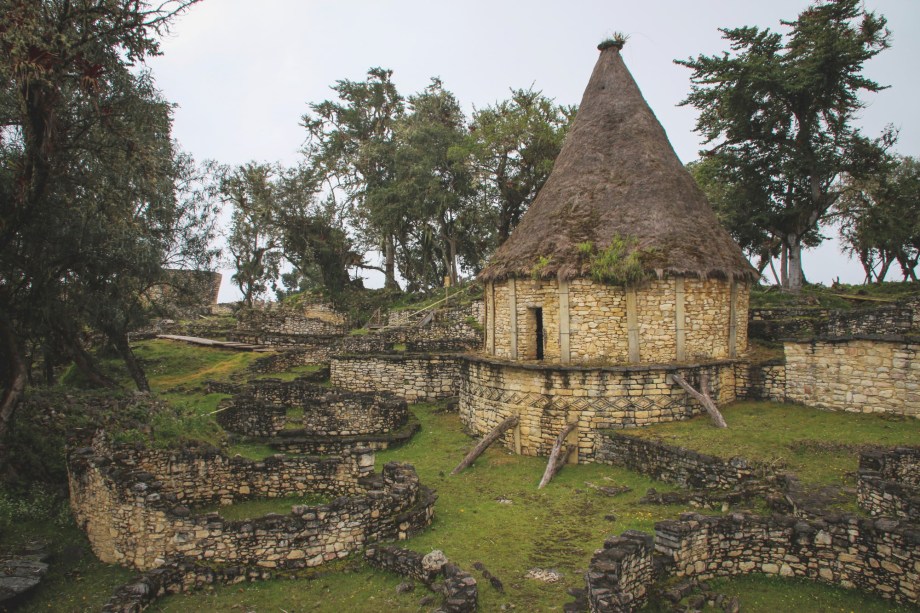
(538, 319)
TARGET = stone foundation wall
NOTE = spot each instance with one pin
(415, 377)
(802, 322)
(859, 374)
(620, 574)
(546, 398)
(881, 557)
(276, 318)
(177, 576)
(598, 320)
(134, 506)
(888, 483)
(461, 593)
(311, 350)
(675, 464)
(761, 380)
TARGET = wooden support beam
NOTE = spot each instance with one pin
(680, 319)
(512, 299)
(703, 397)
(565, 351)
(485, 442)
(556, 458)
(632, 324)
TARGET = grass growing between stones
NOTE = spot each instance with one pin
(291, 374)
(251, 509)
(820, 447)
(171, 364)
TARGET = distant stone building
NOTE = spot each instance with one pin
(567, 339)
(187, 288)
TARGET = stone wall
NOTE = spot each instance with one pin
(859, 374)
(598, 320)
(135, 504)
(888, 483)
(311, 350)
(620, 574)
(761, 380)
(676, 464)
(415, 377)
(546, 398)
(278, 318)
(461, 594)
(881, 557)
(804, 322)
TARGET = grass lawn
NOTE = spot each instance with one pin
(821, 447)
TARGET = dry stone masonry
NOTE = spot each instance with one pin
(461, 594)
(862, 374)
(136, 505)
(415, 377)
(888, 483)
(881, 557)
(548, 397)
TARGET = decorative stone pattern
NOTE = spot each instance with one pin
(546, 398)
(598, 320)
(888, 483)
(881, 556)
(761, 380)
(676, 464)
(135, 505)
(461, 594)
(858, 374)
(415, 377)
(621, 573)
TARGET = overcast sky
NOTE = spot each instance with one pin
(242, 73)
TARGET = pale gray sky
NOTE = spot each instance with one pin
(243, 72)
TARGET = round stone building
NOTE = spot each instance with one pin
(618, 275)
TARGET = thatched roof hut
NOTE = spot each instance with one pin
(618, 176)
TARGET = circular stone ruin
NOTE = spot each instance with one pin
(302, 417)
(138, 505)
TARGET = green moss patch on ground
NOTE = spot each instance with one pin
(821, 447)
(838, 297)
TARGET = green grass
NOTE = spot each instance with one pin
(76, 580)
(820, 296)
(251, 509)
(765, 594)
(291, 373)
(253, 451)
(172, 364)
(786, 434)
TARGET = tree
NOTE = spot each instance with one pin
(350, 143)
(254, 240)
(65, 87)
(434, 180)
(515, 143)
(780, 108)
(880, 219)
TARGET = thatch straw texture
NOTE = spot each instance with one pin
(617, 175)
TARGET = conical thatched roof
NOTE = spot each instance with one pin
(617, 175)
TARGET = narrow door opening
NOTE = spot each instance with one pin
(538, 320)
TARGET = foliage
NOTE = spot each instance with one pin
(88, 213)
(536, 273)
(514, 144)
(779, 111)
(880, 219)
(620, 263)
(350, 148)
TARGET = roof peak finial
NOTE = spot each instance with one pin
(614, 42)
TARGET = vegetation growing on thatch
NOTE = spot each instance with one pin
(617, 40)
(538, 270)
(621, 263)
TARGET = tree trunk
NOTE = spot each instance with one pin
(485, 443)
(784, 266)
(796, 278)
(16, 380)
(137, 373)
(87, 365)
(555, 462)
(703, 398)
(389, 266)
